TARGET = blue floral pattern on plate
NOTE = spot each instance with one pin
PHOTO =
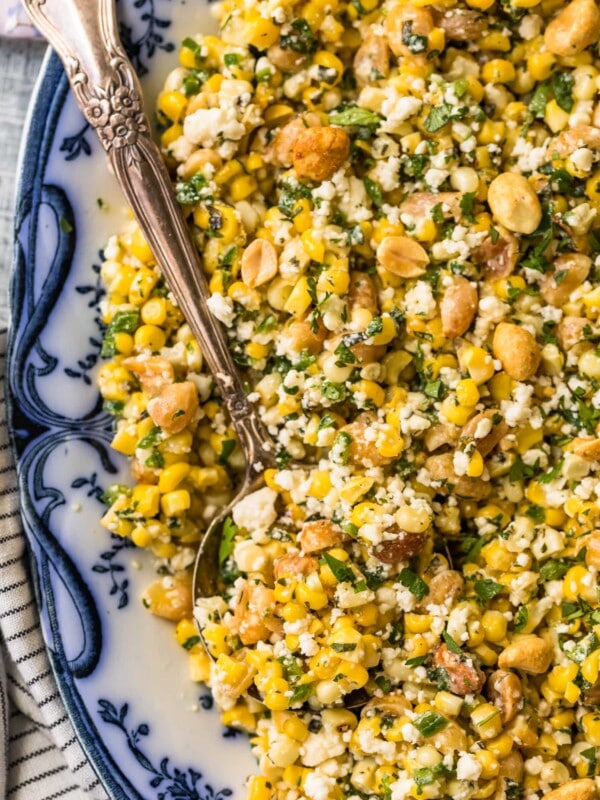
(123, 680)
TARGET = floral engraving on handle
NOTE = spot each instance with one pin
(114, 109)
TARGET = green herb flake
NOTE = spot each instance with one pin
(438, 117)
(374, 192)
(430, 723)
(341, 572)
(486, 589)
(230, 531)
(451, 644)
(520, 619)
(354, 116)
(414, 583)
(191, 642)
(562, 89)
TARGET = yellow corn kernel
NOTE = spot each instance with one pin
(259, 787)
(314, 598)
(187, 58)
(239, 716)
(489, 763)
(497, 556)
(371, 391)
(216, 637)
(296, 729)
(496, 40)
(171, 135)
(365, 514)
(389, 442)
(355, 488)
(387, 333)
(591, 727)
(149, 337)
(294, 776)
(417, 623)
(491, 132)
(592, 187)
(257, 351)
(476, 465)
(467, 392)
(199, 666)
(227, 172)
(154, 311)
(425, 231)
(302, 215)
(477, 362)
(141, 536)
(145, 499)
(125, 441)
(511, 287)
(124, 343)
(175, 503)
(500, 746)
(366, 616)
(299, 299)
(560, 676)
(562, 720)
(579, 582)
(172, 105)
(455, 413)
(353, 675)
(142, 285)
(315, 248)
(261, 32)
(498, 70)
(572, 692)
(172, 476)
(320, 484)
(501, 386)
(448, 704)
(242, 187)
(486, 655)
(555, 117)
(528, 437)
(540, 65)
(589, 668)
(494, 626)
(332, 68)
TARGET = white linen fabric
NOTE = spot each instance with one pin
(40, 756)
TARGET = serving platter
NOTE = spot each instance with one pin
(150, 733)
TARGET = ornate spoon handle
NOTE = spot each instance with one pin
(84, 33)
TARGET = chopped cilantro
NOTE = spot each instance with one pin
(300, 39)
(487, 589)
(430, 723)
(355, 116)
(342, 572)
(414, 583)
(374, 191)
(229, 532)
(520, 619)
(122, 322)
(562, 89)
(451, 644)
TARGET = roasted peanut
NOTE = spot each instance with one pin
(444, 589)
(286, 60)
(592, 549)
(306, 334)
(441, 469)
(570, 271)
(319, 535)
(401, 18)
(395, 704)
(511, 769)
(402, 547)
(294, 564)
(170, 597)
(462, 24)
(440, 435)
(420, 204)
(174, 407)
(571, 331)
(464, 676)
(319, 152)
(362, 292)
(513, 203)
(362, 451)
(506, 692)
(587, 447)
(489, 420)
(372, 61)
(281, 150)
(529, 653)
(572, 139)
(497, 259)
(153, 372)
(458, 307)
(576, 27)
(402, 256)
(258, 263)
(451, 739)
(581, 789)
(255, 605)
(517, 349)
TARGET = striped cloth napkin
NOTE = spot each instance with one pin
(40, 757)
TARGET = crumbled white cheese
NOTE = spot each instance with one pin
(468, 768)
(221, 307)
(256, 512)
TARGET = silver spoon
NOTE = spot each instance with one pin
(84, 33)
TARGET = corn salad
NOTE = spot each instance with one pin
(396, 207)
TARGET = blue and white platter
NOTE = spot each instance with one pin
(150, 733)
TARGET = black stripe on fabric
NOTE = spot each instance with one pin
(10, 562)
(16, 609)
(41, 776)
(66, 745)
(9, 490)
(29, 756)
(56, 722)
(39, 677)
(33, 654)
(10, 515)
(12, 586)
(21, 686)
(16, 736)
(74, 787)
(23, 632)
(48, 699)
